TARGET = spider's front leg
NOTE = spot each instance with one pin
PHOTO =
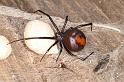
(52, 38)
(55, 26)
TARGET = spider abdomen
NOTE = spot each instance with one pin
(74, 39)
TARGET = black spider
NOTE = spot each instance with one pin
(71, 39)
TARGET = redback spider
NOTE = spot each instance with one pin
(71, 39)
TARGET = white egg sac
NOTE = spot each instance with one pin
(5, 48)
(37, 28)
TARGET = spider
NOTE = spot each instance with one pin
(72, 39)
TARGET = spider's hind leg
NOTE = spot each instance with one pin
(83, 59)
(82, 25)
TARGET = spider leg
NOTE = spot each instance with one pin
(83, 59)
(71, 53)
(61, 47)
(32, 38)
(50, 19)
(49, 49)
(82, 25)
(66, 20)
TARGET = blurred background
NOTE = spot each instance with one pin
(105, 11)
